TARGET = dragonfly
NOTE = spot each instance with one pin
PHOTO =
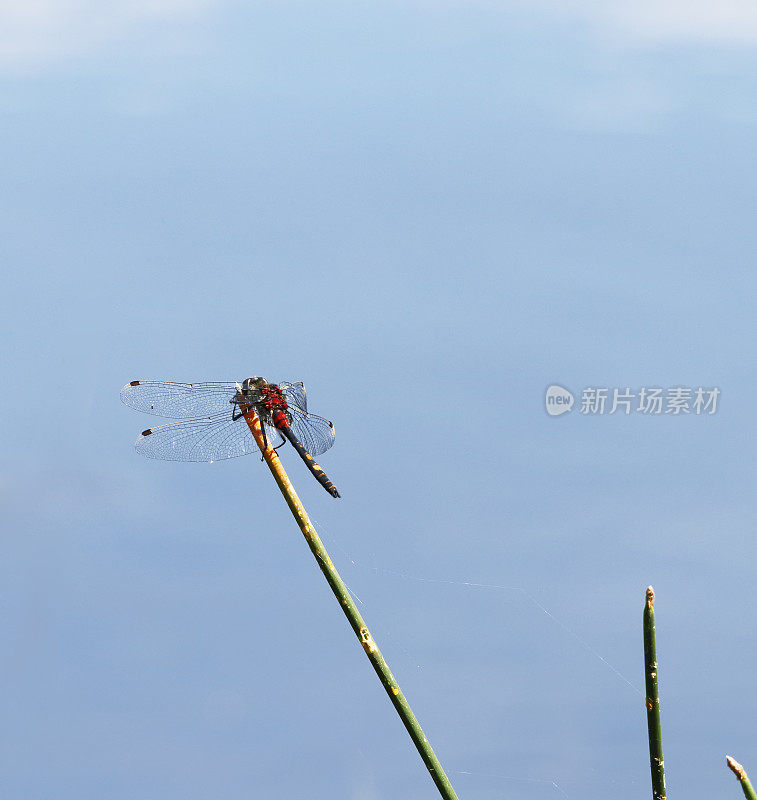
(212, 424)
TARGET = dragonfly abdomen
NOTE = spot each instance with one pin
(280, 420)
(310, 462)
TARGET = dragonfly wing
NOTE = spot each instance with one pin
(273, 435)
(179, 400)
(295, 395)
(208, 439)
(315, 433)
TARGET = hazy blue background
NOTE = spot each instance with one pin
(428, 212)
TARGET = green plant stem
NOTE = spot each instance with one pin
(351, 612)
(656, 762)
(740, 773)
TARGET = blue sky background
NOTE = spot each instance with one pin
(428, 212)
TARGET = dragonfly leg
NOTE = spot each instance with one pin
(265, 438)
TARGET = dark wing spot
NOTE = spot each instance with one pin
(133, 383)
(147, 432)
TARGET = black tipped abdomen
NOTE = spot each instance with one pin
(319, 474)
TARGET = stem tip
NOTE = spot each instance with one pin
(736, 768)
(650, 596)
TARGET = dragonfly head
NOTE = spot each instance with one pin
(253, 383)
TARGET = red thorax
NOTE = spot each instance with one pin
(275, 402)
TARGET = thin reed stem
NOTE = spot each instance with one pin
(351, 612)
(656, 762)
(740, 773)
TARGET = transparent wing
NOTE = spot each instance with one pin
(295, 395)
(208, 439)
(274, 435)
(179, 400)
(211, 438)
(315, 433)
